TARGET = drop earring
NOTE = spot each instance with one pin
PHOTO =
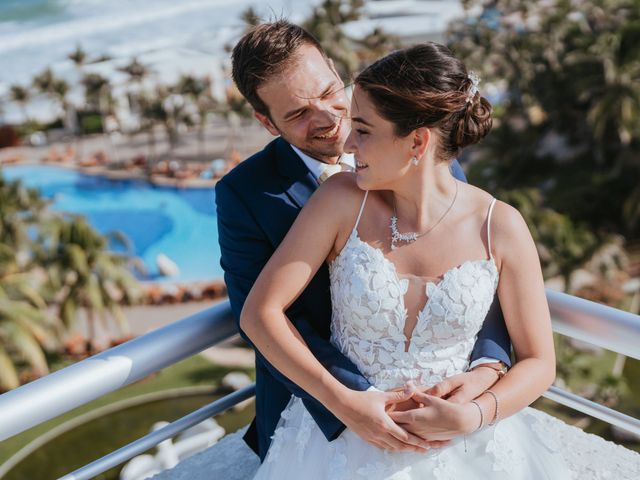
(414, 160)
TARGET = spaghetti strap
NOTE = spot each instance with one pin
(493, 202)
(361, 209)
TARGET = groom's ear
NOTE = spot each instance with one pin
(421, 141)
(267, 123)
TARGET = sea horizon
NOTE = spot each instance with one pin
(40, 34)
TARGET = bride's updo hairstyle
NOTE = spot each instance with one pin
(426, 86)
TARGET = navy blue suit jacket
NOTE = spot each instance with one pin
(257, 202)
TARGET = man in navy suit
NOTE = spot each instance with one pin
(297, 96)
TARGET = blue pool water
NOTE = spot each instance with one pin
(181, 223)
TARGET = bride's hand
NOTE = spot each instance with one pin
(365, 414)
(438, 419)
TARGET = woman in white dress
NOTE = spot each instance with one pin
(415, 259)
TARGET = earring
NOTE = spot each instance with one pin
(414, 160)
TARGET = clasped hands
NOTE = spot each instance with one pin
(417, 418)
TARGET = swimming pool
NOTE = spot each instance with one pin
(180, 223)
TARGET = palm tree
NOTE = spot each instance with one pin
(614, 103)
(375, 45)
(325, 24)
(564, 245)
(78, 57)
(57, 89)
(151, 112)
(250, 18)
(199, 92)
(234, 109)
(583, 79)
(164, 107)
(136, 71)
(98, 94)
(25, 329)
(50, 260)
(140, 102)
(22, 97)
(43, 82)
(169, 107)
(85, 275)
(20, 207)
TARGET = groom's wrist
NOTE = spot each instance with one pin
(482, 361)
(498, 367)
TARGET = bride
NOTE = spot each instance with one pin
(415, 259)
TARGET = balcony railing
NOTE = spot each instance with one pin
(78, 384)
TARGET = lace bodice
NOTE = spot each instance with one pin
(369, 315)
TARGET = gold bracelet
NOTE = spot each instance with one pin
(481, 415)
(497, 415)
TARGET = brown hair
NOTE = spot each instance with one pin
(266, 50)
(426, 86)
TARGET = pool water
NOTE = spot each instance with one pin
(180, 223)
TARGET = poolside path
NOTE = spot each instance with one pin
(145, 318)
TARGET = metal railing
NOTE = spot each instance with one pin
(78, 384)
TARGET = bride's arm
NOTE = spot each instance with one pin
(524, 303)
(307, 245)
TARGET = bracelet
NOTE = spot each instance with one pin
(497, 415)
(481, 415)
(501, 372)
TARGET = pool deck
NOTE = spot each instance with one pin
(118, 149)
(146, 318)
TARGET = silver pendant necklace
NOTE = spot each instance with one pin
(410, 237)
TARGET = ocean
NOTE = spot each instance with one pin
(36, 34)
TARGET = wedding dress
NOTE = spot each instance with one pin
(369, 313)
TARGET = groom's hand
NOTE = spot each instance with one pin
(365, 413)
(436, 419)
(464, 387)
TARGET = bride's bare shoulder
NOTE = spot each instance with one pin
(508, 227)
(510, 234)
(340, 190)
(343, 182)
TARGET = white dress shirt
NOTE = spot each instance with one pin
(316, 167)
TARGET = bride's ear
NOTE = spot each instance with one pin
(421, 140)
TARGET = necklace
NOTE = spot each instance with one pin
(409, 237)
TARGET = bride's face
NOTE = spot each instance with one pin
(382, 158)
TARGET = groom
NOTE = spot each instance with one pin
(297, 95)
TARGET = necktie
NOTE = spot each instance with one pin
(330, 169)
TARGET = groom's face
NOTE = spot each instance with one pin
(308, 106)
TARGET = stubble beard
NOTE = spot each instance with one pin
(321, 150)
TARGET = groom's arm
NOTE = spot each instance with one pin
(244, 252)
(493, 339)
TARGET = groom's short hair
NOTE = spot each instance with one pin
(266, 50)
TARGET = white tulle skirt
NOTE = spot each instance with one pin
(530, 445)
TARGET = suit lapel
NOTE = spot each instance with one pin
(296, 179)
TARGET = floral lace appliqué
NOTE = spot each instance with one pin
(369, 316)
